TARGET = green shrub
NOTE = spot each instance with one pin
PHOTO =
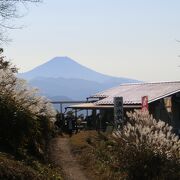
(147, 149)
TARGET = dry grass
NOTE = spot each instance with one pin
(80, 140)
(143, 149)
(10, 168)
(94, 152)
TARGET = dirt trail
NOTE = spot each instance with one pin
(61, 155)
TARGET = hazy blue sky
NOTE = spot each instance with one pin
(130, 38)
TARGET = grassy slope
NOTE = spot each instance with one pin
(96, 155)
(10, 168)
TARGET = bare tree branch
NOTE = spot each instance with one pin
(9, 11)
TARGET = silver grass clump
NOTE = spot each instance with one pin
(25, 97)
(26, 118)
(142, 131)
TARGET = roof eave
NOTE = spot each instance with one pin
(166, 95)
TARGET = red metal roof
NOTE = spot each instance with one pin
(132, 93)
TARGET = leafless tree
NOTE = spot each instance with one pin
(9, 11)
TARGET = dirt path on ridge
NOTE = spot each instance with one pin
(60, 155)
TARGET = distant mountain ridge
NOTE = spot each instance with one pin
(62, 76)
(67, 68)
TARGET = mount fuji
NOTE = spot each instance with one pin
(63, 78)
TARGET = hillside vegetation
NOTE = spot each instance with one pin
(26, 127)
(143, 149)
(11, 168)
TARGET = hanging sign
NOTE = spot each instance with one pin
(145, 106)
(118, 111)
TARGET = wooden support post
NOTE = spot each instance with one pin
(76, 121)
(100, 123)
(60, 107)
(61, 110)
(93, 120)
(87, 109)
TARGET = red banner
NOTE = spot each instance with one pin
(145, 106)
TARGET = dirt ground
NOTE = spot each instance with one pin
(60, 155)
